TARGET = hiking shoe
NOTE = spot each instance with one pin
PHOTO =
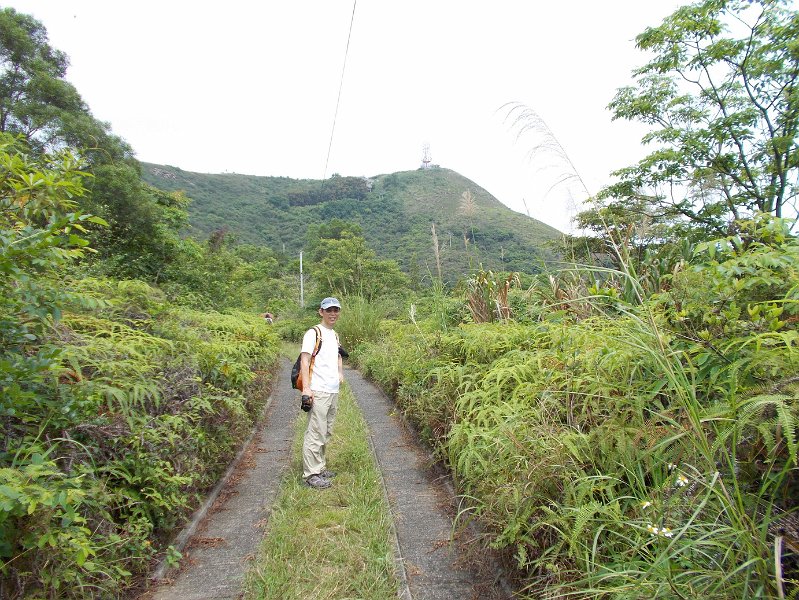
(317, 482)
(327, 474)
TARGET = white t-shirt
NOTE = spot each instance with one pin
(325, 367)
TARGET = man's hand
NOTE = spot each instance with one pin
(305, 371)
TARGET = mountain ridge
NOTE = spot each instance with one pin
(396, 212)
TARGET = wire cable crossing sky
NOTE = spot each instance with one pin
(340, 87)
(247, 87)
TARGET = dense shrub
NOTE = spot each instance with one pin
(119, 408)
(644, 449)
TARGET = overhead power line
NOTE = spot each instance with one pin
(341, 85)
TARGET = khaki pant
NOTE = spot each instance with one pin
(318, 433)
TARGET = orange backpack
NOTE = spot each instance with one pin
(296, 375)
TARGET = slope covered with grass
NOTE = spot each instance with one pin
(396, 212)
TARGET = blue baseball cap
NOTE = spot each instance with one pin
(328, 302)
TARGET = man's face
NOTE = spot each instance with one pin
(330, 315)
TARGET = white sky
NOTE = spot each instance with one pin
(251, 87)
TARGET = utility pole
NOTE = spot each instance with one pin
(302, 290)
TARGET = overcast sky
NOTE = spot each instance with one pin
(251, 87)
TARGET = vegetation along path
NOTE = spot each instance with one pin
(223, 539)
(432, 564)
(435, 562)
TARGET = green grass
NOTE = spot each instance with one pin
(333, 543)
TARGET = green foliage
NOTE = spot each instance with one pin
(488, 296)
(739, 303)
(614, 448)
(394, 218)
(360, 320)
(118, 408)
(42, 513)
(335, 188)
(345, 265)
(39, 234)
(220, 274)
(720, 94)
(146, 404)
(38, 104)
(141, 240)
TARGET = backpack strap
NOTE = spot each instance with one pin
(316, 348)
(318, 344)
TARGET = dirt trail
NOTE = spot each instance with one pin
(431, 560)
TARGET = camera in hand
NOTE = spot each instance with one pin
(305, 403)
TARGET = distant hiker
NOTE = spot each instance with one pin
(320, 386)
(268, 317)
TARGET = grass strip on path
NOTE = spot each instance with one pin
(333, 543)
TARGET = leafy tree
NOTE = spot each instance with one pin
(40, 233)
(47, 112)
(221, 274)
(720, 94)
(144, 222)
(335, 229)
(335, 188)
(38, 104)
(343, 263)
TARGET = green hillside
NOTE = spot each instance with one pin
(396, 212)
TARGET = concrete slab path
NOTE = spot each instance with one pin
(224, 538)
(423, 505)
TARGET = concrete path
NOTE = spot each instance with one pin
(436, 563)
(226, 539)
(432, 563)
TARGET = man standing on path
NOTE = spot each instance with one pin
(321, 375)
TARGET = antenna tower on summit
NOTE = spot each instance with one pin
(426, 160)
